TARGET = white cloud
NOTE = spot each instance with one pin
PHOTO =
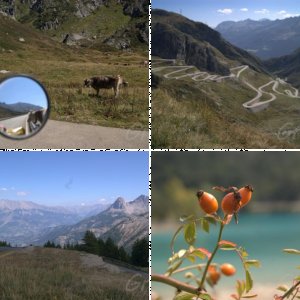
(22, 194)
(3, 189)
(282, 12)
(244, 9)
(263, 11)
(225, 11)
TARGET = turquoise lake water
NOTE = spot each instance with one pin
(262, 235)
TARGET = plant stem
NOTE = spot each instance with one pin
(175, 283)
(291, 290)
(212, 255)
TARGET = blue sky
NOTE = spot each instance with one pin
(22, 89)
(73, 178)
(213, 12)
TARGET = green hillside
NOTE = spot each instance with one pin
(62, 69)
(196, 104)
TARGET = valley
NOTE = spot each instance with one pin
(220, 98)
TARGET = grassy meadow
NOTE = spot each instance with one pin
(62, 69)
(191, 114)
(49, 274)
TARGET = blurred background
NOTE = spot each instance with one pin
(268, 224)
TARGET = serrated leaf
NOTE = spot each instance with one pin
(190, 233)
(254, 263)
(249, 281)
(174, 238)
(184, 296)
(205, 225)
(282, 288)
(292, 251)
(249, 296)
(199, 254)
(181, 253)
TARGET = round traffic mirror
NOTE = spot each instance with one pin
(24, 107)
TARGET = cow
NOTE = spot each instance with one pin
(35, 119)
(106, 82)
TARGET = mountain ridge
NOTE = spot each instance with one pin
(177, 37)
(264, 38)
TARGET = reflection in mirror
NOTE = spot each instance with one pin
(24, 107)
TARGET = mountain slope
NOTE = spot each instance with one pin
(20, 107)
(264, 38)
(118, 23)
(286, 67)
(122, 221)
(176, 37)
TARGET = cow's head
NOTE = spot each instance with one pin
(122, 82)
(87, 82)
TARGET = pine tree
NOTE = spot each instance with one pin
(140, 253)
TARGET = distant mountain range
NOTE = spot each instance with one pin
(176, 37)
(21, 222)
(264, 38)
(286, 67)
(20, 107)
(122, 221)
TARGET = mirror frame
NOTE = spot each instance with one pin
(20, 138)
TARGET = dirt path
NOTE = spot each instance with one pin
(91, 261)
(60, 135)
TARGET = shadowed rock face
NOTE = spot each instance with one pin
(176, 37)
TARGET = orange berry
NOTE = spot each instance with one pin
(207, 202)
(228, 269)
(213, 274)
(246, 194)
(230, 204)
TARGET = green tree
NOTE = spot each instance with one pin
(140, 253)
(90, 243)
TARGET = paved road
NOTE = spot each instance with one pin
(60, 135)
(254, 105)
(15, 122)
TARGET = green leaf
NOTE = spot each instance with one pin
(204, 297)
(212, 220)
(190, 233)
(297, 278)
(191, 258)
(249, 281)
(254, 263)
(174, 267)
(227, 245)
(282, 288)
(240, 287)
(205, 225)
(174, 238)
(249, 296)
(292, 251)
(199, 254)
(184, 296)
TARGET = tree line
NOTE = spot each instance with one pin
(139, 255)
